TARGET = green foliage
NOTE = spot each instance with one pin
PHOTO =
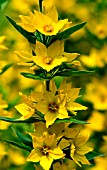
(70, 120)
(27, 148)
(5, 68)
(29, 36)
(13, 120)
(3, 4)
(66, 33)
(92, 155)
(24, 139)
(36, 119)
(31, 76)
(70, 72)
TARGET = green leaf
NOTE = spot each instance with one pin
(3, 4)
(29, 36)
(92, 155)
(6, 67)
(29, 166)
(13, 120)
(74, 73)
(65, 34)
(31, 76)
(70, 120)
(58, 80)
(18, 145)
(24, 139)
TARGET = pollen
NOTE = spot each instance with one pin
(48, 60)
(48, 28)
(53, 107)
(45, 150)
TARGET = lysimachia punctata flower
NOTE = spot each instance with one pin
(2, 47)
(66, 165)
(70, 95)
(45, 150)
(50, 57)
(56, 129)
(79, 149)
(53, 104)
(4, 113)
(52, 108)
(46, 58)
(46, 24)
(97, 97)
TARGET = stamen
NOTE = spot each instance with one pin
(48, 28)
(53, 107)
(48, 60)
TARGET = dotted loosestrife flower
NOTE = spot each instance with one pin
(67, 165)
(50, 57)
(70, 95)
(56, 129)
(46, 58)
(46, 24)
(27, 109)
(79, 149)
(52, 108)
(45, 150)
(2, 47)
(4, 113)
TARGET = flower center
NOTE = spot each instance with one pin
(53, 107)
(45, 150)
(48, 28)
(48, 60)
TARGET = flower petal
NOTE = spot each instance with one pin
(46, 162)
(41, 50)
(25, 110)
(56, 153)
(50, 118)
(34, 157)
(53, 14)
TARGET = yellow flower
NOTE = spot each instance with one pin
(25, 57)
(16, 157)
(27, 109)
(94, 59)
(70, 95)
(2, 47)
(79, 149)
(3, 103)
(2, 151)
(66, 165)
(100, 163)
(28, 22)
(96, 96)
(46, 24)
(4, 125)
(4, 113)
(52, 108)
(50, 57)
(97, 117)
(56, 129)
(44, 57)
(45, 150)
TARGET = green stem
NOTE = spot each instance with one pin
(40, 5)
(47, 85)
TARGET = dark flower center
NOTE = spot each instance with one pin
(53, 107)
(48, 28)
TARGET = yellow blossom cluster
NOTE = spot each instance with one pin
(48, 129)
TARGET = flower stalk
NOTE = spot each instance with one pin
(40, 5)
